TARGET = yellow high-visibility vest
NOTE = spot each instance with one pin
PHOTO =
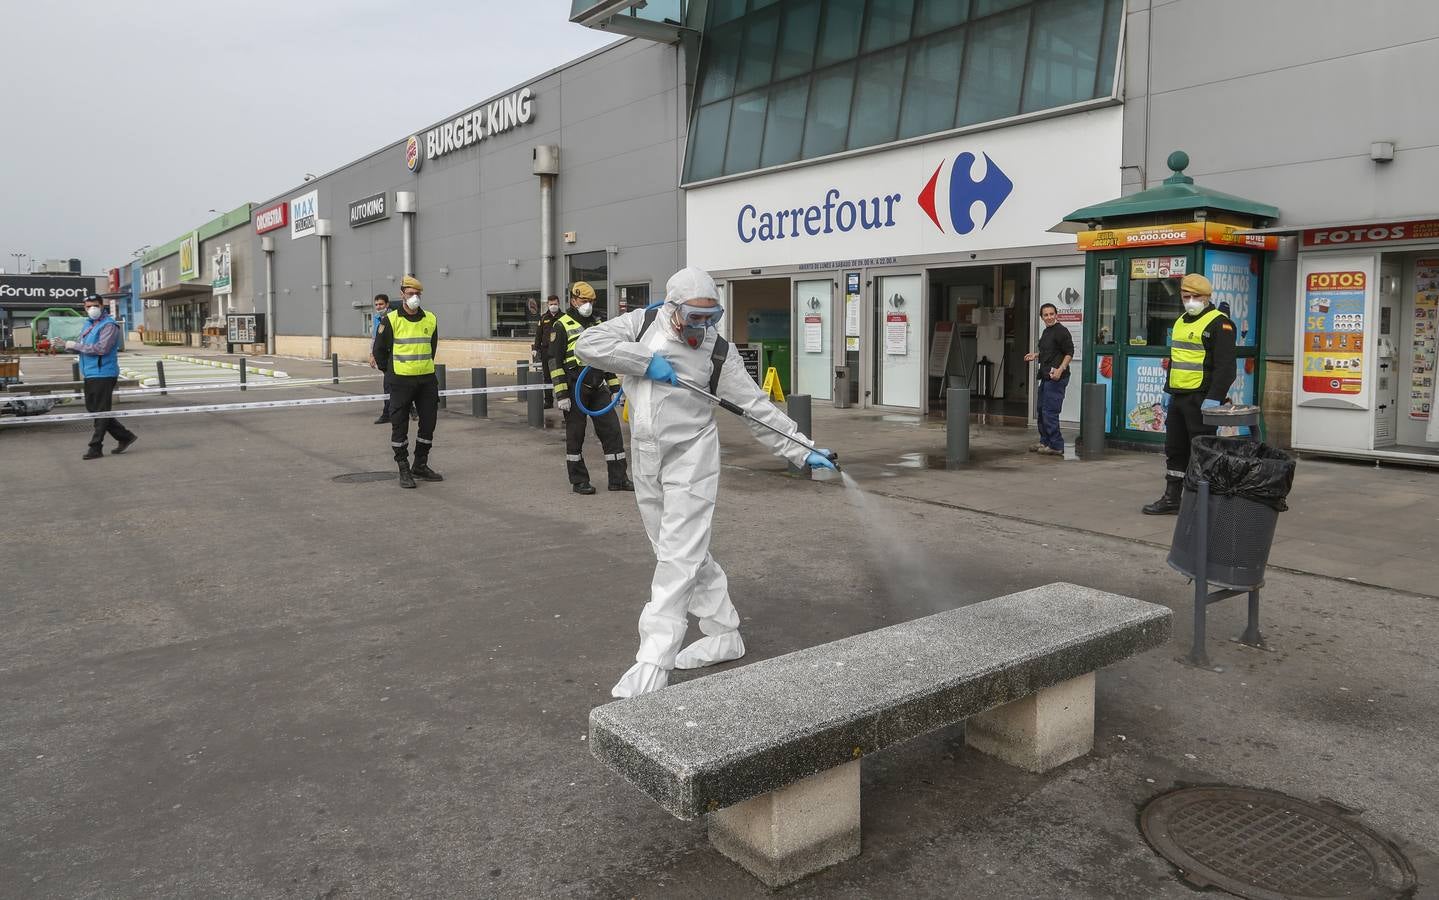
(413, 354)
(558, 376)
(1186, 351)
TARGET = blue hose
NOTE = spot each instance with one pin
(577, 389)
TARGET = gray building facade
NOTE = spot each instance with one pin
(466, 188)
(1310, 106)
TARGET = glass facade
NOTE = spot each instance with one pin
(786, 80)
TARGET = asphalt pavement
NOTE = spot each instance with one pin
(240, 661)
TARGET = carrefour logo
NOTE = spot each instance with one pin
(964, 191)
(835, 213)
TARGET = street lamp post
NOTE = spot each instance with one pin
(18, 256)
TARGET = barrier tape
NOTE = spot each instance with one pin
(246, 407)
(221, 364)
(199, 386)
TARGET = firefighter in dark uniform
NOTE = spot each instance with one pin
(1201, 371)
(409, 341)
(540, 349)
(596, 392)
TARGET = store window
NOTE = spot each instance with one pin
(1154, 301)
(785, 80)
(1108, 307)
(514, 314)
(633, 296)
(592, 267)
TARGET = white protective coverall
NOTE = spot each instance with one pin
(675, 465)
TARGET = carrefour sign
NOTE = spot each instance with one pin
(989, 190)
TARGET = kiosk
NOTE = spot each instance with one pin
(1137, 249)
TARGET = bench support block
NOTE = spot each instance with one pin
(1040, 732)
(782, 836)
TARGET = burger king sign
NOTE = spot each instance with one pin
(413, 157)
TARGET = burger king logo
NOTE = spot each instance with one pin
(412, 153)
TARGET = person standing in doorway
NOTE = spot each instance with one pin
(1201, 371)
(540, 349)
(98, 348)
(1056, 350)
(409, 342)
(595, 391)
(380, 361)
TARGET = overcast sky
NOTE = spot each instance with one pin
(125, 122)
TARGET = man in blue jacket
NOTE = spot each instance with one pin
(98, 347)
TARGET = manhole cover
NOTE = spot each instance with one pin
(1266, 846)
(362, 477)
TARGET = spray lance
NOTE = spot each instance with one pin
(744, 414)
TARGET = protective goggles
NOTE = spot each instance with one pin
(700, 316)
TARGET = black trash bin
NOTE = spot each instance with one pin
(1248, 484)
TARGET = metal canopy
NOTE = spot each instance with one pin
(1178, 193)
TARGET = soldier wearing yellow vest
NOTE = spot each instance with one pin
(596, 392)
(1201, 371)
(409, 341)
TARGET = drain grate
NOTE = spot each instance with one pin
(363, 477)
(1267, 846)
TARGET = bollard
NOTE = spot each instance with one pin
(479, 403)
(536, 400)
(334, 368)
(242, 373)
(75, 370)
(440, 377)
(160, 374)
(956, 423)
(800, 409)
(1092, 399)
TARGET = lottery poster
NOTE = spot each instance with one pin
(1334, 332)
(1146, 406)
(1425, 338)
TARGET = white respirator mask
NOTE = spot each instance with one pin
(554, 308)
(1194, 307)
(585, 309)
(413, 301)
(94, 312)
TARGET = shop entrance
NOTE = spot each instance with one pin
(980, 330)
(1405, 352)
(759, 314)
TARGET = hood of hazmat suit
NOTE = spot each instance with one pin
(675, 465)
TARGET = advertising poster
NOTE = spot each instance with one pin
(1425, 339)
(190, 257)
(1104, 374)
(1146, 406)
(1158, 267)
(1334, 332)
(1235, 277)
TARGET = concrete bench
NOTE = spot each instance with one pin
(770, 751)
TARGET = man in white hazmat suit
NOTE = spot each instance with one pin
(675, 465)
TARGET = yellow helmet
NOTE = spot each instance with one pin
(581, 290)
(410, 281)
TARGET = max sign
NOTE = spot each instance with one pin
(304, 212)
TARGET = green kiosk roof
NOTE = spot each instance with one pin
(1178, 193)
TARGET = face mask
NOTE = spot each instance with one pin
(1193, 307)
(554, 307)
(585, 309)
(693, 321)
(94, 312)
(413, 301)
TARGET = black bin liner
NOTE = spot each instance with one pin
(1248, 484)
(1239, 467)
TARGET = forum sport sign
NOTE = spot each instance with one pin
(984, 191)
(44, 289)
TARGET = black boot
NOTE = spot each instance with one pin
(625, 485)
(584, 487)
(407, 479)
(1167, 505)
(423, 471)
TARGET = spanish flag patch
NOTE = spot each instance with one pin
(1227, 327)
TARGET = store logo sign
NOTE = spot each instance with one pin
(413, 157)
(304, 212)
(272, 217)
(370, 209)
(964, 191)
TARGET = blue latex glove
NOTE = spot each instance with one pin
(661, 370)
(1209, 404)
(819, 461)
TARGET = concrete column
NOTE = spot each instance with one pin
(322, 228)
(1040, 732)
(782, 836)
(267, 244)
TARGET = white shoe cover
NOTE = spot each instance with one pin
(642, 678)
(716, 648)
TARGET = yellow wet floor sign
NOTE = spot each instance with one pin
(771, 385)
